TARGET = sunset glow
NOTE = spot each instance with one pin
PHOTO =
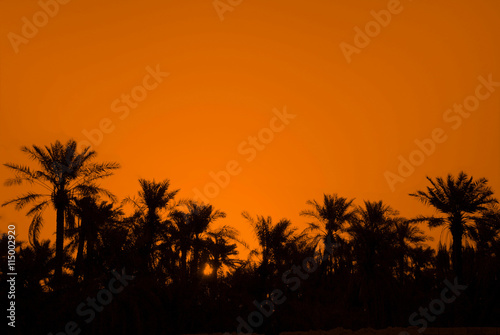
(353, 121)
(249, 106)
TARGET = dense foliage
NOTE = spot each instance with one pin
(354, 266)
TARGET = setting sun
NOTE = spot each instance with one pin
(208, 270)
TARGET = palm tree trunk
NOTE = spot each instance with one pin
(147, 249)
(457, 257)
(91, 254)
(151, 221)
(183, 264)
(196, 251)
(327, 242)
(79, 255)
(401, 267)
(215, 274)
(59, 246)
(457, 233)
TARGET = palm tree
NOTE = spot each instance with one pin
(486, 229)
(199, 218)
(65, 175)
(486, 235)
(35, 265)
(180, 237)
(372, 239)
(331, 215)
(153, 198)
(408, 238)
(222, 251)
(274, 241)
(93, 217)
(372, 233)
(423, 259)
(276, 245)
(459, 199)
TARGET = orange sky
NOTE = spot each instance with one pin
(352, 119)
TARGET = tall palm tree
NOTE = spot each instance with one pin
(65, 175)
(372, 238)
(199, 218)
(222, 249)
(275, 245)
(459, 199)
(274, 241)
(372, 235)
(153, 198)
(486, 235)
(36, 264)
(408, 237)
(180, 237)
(486, 229)
(331, 216)
(93, 217)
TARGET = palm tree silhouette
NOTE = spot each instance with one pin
(486, 229)
(331, 215)
(372, 239)
(180, 237)
(221, 251)
(459, 199)
(65, 175)
(275, 242)
(153, 198)
(379, 273)
(409, 238)
(36, 265)
(93, 218)
(486, 235)
(199, 218)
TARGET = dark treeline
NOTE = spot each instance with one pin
(354, 266)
